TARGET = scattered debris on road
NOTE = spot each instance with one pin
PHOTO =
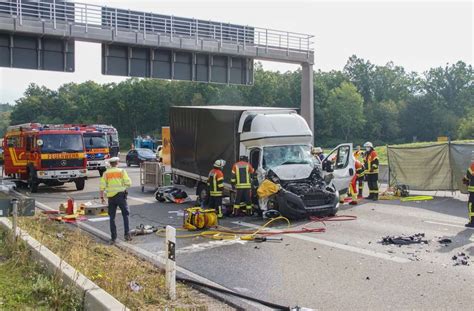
(445, 241)
(143, 230)
(417, 238)
(461, 259)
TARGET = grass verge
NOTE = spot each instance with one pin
(113, 269)
(25, 285)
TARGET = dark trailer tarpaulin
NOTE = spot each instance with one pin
(199, 136)
(435, 167)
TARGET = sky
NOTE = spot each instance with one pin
(417, 35)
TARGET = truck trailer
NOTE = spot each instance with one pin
(277, 141)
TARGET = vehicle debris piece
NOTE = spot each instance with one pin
(143, 230)
(404, 240)
(135, 287)
(445, 241)
(461, 259)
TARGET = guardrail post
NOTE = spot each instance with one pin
(266, 40)
(15, 216)
(54, 14)
(144, 25)
(221, 34)
(85, 10)
(170, 244)
(116, 22)
(287, 43)
(197, 31)
(171, 29)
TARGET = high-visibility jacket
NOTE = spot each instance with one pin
(114, 180)
(360, 171)
(241, 172)
(470, 178)
(215, 182)
(371, 162)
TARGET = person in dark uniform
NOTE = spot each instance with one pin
(215, 184)
(241, 180)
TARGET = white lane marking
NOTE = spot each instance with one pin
(199, 247)
(98, 219)
(445, 224)
(337, 245)
(142, 200)
(178, 213)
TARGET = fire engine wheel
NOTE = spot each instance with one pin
(80, 183)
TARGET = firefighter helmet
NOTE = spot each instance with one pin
(219, 163)
(368, 144)
(316, 150)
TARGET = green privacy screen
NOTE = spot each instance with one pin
(436, 167)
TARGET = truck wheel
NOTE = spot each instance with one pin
(32, 182)
(101, 171)
(80, 183)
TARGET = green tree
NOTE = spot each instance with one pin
(346, 111)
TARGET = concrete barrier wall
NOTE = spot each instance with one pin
(95, 298)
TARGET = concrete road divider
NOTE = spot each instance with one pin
(95, 298)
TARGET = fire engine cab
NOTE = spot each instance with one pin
(97, 147)
(48, 154)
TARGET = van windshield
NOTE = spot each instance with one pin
(285, 155)
(95, 141)
(62, 143)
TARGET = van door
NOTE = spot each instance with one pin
(255, 160)
(342, 164)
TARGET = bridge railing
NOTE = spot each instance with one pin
(118, 20)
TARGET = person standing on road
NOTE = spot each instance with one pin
(114, 183)
(469, 181)
(359, 156)
(215, 184)
(242, 182)
(359, 168)
(371, 165)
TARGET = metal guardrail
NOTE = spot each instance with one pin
(117, 20)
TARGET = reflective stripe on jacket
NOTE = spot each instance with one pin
(114, 180)
(359, 169)
(470, 178)
(241, 172)
(371, 163)
(215, 182)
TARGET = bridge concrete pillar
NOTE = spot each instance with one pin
(307, 98)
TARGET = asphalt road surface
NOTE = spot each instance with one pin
(344, 268)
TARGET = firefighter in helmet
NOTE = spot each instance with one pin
(215, 184)
(371, 165)
(241, 180)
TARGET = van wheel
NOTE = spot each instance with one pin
(32, 183)
(80, 183)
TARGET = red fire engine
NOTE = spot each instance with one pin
(49, 154)
(97, 146)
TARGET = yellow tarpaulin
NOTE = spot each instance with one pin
(267, 188)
